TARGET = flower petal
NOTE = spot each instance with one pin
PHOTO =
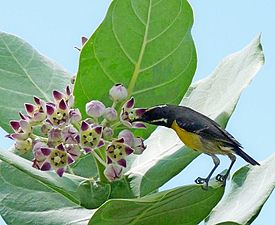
(60, 171)
(122, 162)
(15, 125)
(25, 126)
(68, 90)
(57, 95)
(46, 166)
(130, 103)
(50, 109)
(84, 126)
(128, 150)
(138, 125)
(60, 147)
(29, 108)
(70, 160)
(87, 150)
(84, 40)
(100, 143)
(109, 160)
(140, 111)
(62, 104)
(98, 129)
(37, 100)
(46, 151)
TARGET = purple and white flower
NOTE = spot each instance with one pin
(113, 172)
(58, 115)
(137, 143)
(90, 136)
(56, 159)
(129, 114)
(117, 151)
(22, 129)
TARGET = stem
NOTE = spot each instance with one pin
(70, 170)
(115, 125)
(33, 136)
(100, 167)
(99, 159)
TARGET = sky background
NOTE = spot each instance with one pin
(220, 28)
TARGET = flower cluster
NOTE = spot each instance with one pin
(64, 135)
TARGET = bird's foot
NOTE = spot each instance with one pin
(203, 181)
(221, 178)
(200, 180)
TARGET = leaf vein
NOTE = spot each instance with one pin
(136, 14)
(169, 26)
(25, 72)
(167, 82)
(119, 42)
(167, 56)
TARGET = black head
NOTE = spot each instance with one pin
(162, 115)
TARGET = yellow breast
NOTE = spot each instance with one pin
(191, 140)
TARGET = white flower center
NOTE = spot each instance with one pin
(57, 159)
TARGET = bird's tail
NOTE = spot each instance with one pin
(246, 157)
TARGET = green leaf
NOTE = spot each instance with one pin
(93, 194)
(216, 96)
(185, 205)
(24, 73)
(78, 190)
(147, 46)
(80, 167)
(25, 200)
(250, 188)
(67, 185)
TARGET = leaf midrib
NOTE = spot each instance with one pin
(142, 50)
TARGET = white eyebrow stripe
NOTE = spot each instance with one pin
(158, 106)
(161, 106)
(159, 120)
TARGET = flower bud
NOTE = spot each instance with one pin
(110, 114)
(128, 137)
(70, 135)
(118, 93)
(107, 133)
(45, 128)
(139, 146)
(95, 108)
(54, 137)
(75, 115)
(113, 172)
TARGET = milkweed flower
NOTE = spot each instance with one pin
(129, 114)
(117, 151)
(63, 136)
(56, 159)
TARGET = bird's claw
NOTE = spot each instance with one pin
(203, 181)
(221, 178)
(200, 180)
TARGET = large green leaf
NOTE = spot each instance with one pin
(185, 205)
(216, 97)
(250, 188)
(24, 73)
(146, 45)
(24, 200)
(79, 190)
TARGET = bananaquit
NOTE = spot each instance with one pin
(199, 133)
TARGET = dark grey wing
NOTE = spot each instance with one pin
(198, 123)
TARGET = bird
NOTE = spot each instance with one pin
(200, 133)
